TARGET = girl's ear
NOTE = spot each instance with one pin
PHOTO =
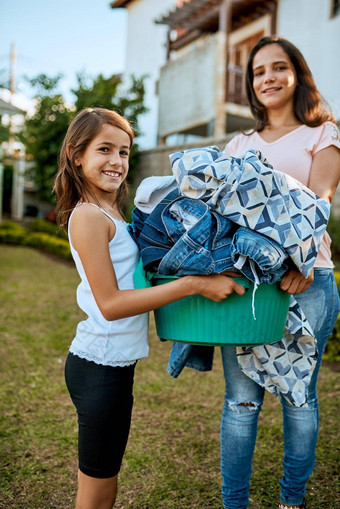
(69, 151)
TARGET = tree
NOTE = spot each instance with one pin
(109, 93)
(4, 132)
(45, 130)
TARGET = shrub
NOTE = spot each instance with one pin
(332, 352)
(12, 237)
(12, 233)
(43, 226)
(50, 244)
(333, 229)
(12, 226)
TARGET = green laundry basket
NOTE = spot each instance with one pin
(201, 321)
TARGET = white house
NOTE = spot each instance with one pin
(314, 27)
(195, 52)
(18, 197)
(12, 150)
(146, 53)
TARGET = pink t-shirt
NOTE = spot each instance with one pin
(293, 154)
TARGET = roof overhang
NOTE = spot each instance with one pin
(9, 109)
(119, 3)
(198, 14)
(190, 13)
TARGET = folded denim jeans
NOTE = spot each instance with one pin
(257, 257)
(202, 239)
(183, 236)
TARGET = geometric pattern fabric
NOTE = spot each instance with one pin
(249, 192)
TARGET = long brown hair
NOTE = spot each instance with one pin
(309, 106)
(70, 186)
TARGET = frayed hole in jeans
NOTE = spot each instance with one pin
(236, 407)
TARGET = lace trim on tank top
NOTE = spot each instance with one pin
(114, 364)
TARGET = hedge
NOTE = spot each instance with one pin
(332, 352)
(40, 225)
(48, 237)
(50, 244)
(13, 233)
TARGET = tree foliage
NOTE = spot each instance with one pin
(108, 93)
(45, 130)
(4, 132)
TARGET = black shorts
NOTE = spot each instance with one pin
(103, 398)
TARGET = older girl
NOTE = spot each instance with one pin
(298, 136)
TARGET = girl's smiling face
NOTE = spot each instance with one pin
(274, 77)
(105, 161)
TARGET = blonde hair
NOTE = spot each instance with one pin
(70, 186)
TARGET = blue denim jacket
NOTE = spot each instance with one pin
(183, 236)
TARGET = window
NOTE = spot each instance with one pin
(335, 8)
(237, 61)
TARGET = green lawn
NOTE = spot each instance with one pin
(172, 459)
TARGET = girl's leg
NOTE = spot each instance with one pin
(242, 405)
(96, 493)
(103, 398)
(320, 304)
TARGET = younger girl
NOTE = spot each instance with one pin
(91, 189)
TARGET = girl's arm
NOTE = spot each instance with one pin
(323, 180)
(90, 232)
(325, 173)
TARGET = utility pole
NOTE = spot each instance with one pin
(13, 57)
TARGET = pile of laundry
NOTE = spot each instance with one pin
(220, 213)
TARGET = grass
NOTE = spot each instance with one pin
(172, 458)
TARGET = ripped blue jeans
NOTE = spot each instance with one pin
(300, 425)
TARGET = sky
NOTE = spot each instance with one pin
(60, 36)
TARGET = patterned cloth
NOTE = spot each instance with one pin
(249, 192)
(284, 367)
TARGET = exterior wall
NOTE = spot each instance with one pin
(308, 25)
(187, 89)
(145, 55)
(319, 42)
(156, 162)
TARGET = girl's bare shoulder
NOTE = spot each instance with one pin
(88, 217)
(87, 212)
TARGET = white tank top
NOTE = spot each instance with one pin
(112, 343)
